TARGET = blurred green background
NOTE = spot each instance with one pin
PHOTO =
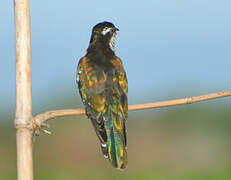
(186, 142)
(170, 49)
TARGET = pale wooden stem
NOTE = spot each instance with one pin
(41, 118)
(23, 114)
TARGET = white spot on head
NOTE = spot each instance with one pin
(106, 30)
(106, 156)
(113, 37)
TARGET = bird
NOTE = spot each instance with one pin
(103, 87)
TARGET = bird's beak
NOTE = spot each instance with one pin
(113, 30)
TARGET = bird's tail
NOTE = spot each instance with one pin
(115, 149)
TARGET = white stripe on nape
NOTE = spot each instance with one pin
(112, 42)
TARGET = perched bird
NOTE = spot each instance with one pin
(103, 88)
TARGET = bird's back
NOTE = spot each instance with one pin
(101, 86)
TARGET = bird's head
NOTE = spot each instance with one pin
(104, 33)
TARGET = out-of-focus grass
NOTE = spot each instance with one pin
(181, 143)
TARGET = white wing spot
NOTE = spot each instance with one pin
(78, 75)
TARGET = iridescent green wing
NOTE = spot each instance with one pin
(115, 116)
(122, 84)
(91, 86)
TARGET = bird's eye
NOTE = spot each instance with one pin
(106, 30)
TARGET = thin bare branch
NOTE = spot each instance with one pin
(23, 115)
(41, 118)
(175, 102)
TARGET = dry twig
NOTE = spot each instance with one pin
(41, 118)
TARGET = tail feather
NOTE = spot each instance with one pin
(111, 131)
(104, 148)
(116, 139)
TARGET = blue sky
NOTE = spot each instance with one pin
(170, 48)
